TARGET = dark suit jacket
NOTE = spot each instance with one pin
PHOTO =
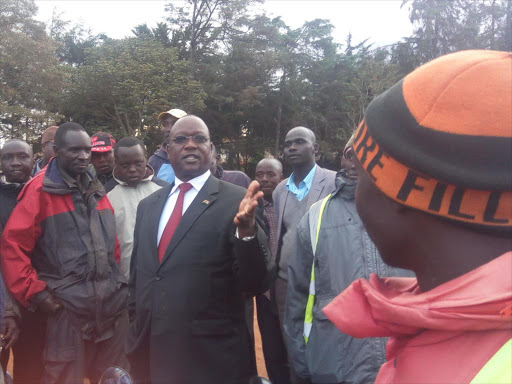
(189, 310)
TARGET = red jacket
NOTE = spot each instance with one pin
(445, 335)
(57, 241)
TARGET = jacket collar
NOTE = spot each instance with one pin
(54, 181)
(345, 187)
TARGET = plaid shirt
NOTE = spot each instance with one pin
(272, 225)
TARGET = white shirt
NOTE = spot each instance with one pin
(197, 183)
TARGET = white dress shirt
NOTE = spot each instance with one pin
(197, 183)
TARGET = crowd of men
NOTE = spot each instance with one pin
(111, 259)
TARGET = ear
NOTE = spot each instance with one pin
(316, 148)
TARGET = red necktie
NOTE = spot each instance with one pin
(173, 222)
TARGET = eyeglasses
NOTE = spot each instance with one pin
(197, 139)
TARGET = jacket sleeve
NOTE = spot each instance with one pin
(254, 266)
(299, 276)
(133, 263)
(18, 241)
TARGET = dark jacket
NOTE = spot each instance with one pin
(234, 177)
(157, 159)
(344, 253)
(189, 321)
(63, 241)
(8, 198)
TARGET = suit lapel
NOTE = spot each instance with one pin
(155, 212)
(316, 187)
(194, 211)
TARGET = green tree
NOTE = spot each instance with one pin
(124, 84)
(31, 79)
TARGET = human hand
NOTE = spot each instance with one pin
(245, 219)
(9, 332)
(49, 304)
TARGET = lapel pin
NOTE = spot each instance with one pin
(206, 202)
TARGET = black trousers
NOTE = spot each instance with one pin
(274, 350)
(68, 358)
(28, 350)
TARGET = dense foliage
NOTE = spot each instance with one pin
(251, 78)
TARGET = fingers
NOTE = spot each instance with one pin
(253, 188)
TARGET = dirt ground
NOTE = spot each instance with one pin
(260, 362)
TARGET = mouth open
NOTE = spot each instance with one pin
(190, 158)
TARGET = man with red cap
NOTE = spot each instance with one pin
(102, 156)
(434, 155)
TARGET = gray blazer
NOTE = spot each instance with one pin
(323, 184)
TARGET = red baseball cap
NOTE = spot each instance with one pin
(102, 142)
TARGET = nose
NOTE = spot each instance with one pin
(84, 155)
(190, 143)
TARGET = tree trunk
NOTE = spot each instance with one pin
(278, 130)
(508, 27)
(493, 24)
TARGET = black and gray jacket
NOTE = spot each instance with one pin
(344, 253)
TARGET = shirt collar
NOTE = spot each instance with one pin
(197, 182)
(303, 185)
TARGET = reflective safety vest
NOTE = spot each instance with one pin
(315, 222)
(498, 370)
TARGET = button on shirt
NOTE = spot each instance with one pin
(304, 186)
(197, 183)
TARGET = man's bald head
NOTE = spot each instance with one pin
(271, 162)
(190, 120)
(303, 131)
(17, 143)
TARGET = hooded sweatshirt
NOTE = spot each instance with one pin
(445, 335)
(125, 199)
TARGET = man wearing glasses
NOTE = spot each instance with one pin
(197, 254)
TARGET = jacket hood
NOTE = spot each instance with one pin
(479, 300)
(160, 152)
(150, 173)
(344, 186)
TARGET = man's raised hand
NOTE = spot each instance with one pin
(245, 219)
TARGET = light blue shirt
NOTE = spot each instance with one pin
(304, 186)
(166, 173)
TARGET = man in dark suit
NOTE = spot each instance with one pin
(189, 280)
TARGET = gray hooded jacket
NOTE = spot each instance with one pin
(344, 253)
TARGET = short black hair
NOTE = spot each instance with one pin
(127, 142)
(17, 141)
(64, 129)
